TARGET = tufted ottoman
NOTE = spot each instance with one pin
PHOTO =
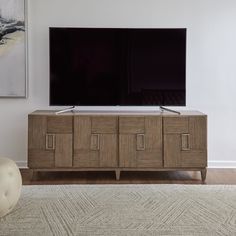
(10, 185)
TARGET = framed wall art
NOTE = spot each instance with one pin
(13, 73)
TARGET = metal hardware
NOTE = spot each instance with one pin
(185, 142)
(140, 142)
(95, 142)
(50, 141)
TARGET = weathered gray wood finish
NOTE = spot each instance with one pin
(95, 141)
(140, 141)
(185, 141)
(117, 141)
(50, 141)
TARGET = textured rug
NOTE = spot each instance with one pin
(123, 210)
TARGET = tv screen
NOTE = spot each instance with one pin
(117, 66)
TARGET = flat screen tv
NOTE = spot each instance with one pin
(117, 66)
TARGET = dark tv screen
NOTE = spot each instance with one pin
(117, 66)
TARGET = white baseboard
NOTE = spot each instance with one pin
(221, 164)
(22, 164)
(211, 164)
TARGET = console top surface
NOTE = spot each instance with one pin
(118, 113)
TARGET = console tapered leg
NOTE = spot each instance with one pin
(117, 174)
(203, 174)
(33, 175)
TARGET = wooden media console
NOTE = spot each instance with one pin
(117, 141)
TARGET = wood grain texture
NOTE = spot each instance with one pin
(186, 149)
(172, 154)
(149, 158)
(37, 128)
(176, 125)
(86, 158)
(60, 124)
(127, 150)
(63, 150)
(147, 146)
(93, 149)
(82, 132)
(128, 142)
(193, 159)
(108, 156)
(153, 133)
(198, 133)
(38, 158)
(95, 142)
(131, 125)
(104, 124)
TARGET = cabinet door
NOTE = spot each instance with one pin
(185, 141)
(49, 141)
(63, 150)
(38, 155)
(95, 141)
(140, 141)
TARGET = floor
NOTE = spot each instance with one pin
(214, 176)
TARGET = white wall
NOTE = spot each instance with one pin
(211, 61)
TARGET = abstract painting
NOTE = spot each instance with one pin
(12, 48)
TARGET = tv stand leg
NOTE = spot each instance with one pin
(33, 175)
(203, 174)
(66, 110)
(169, 110)
(117, 174)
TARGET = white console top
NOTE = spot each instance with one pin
(118, 113)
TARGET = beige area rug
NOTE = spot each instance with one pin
(123, 210)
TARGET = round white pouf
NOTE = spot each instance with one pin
(10, 185)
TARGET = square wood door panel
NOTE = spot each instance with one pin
(95, 141)
(185, 141)
(50, 141)
(140, 141)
